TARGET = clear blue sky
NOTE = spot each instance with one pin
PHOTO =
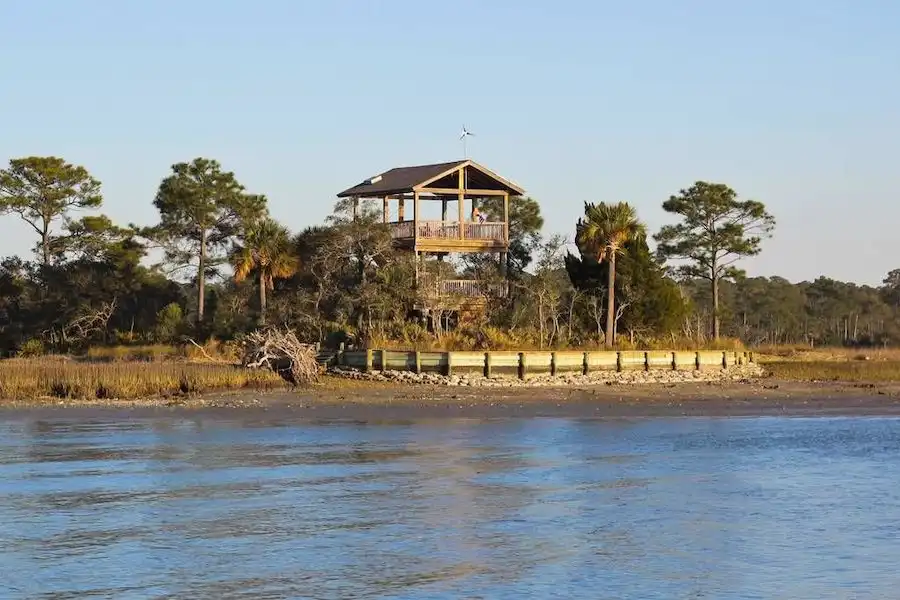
(792, 102)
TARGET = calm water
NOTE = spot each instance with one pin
(518, 508)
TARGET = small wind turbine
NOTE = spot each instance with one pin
(462, 136)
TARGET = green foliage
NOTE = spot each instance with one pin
(345, 280)
(31, 349)
(41, 190)
(891, 289)
(603, 233)
(525, 223)
(169, 320)
(201, 209)
(716, 230)
(650, 303)
(605, 229)
(266, 248)
(96, 237)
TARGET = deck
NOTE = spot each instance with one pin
(458, 293)
(450, 236)
(471, 288)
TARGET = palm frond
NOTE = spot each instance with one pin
(267, 248)
(606, 228)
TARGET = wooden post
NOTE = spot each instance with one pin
(750, 357)
(724, 360)
(355, 207)
(523, 365)
(461, 200)
(401, 210)
(586, 363)
(506, 217)
(368, 360)
(618, 361)
(553, 364)
(340, 355)
(418, 358)
(449, 364)
(646, 361)
(674, 363)
(415, 216)
(387, 211)
(697, 360)
(444, 210)
(488, 366)
(474, 206)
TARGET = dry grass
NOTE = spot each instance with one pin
(806, 354)
(148, 353)
(834, 370)
(211, 351)
(60, 378)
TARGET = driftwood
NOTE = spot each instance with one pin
(206, 354)
(281, 351)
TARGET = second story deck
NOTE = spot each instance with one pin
(450, 235)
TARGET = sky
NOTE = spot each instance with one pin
(795, 103)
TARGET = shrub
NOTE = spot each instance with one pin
(31, 348)
(168, 322)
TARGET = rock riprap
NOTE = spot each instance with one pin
(661, 376)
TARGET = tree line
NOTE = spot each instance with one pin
(228, 267)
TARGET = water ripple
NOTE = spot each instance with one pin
(545, 508)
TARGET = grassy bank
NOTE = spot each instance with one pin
(68, 379)
(789, 353)
(836, 370)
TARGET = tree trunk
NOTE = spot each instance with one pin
(262, 299)
(611, 302)
(541, 319)
(201, 278)
(715, 299)
(45, 243)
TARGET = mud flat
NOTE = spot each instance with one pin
(337, 398)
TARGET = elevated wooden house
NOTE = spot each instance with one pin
(460, 187)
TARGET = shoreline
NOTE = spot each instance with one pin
(336, 399)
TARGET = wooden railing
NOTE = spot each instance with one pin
(438, 230)
(470, 288)
(485, 231)
(448, 230)
(402, 229)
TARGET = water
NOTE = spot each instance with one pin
(212, 507)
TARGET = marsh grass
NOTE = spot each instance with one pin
(788, 353)
(147, 353)
(210, 351)
(67, 379)
(871, 371)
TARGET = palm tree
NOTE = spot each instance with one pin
(603, 233)
(267, 250)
